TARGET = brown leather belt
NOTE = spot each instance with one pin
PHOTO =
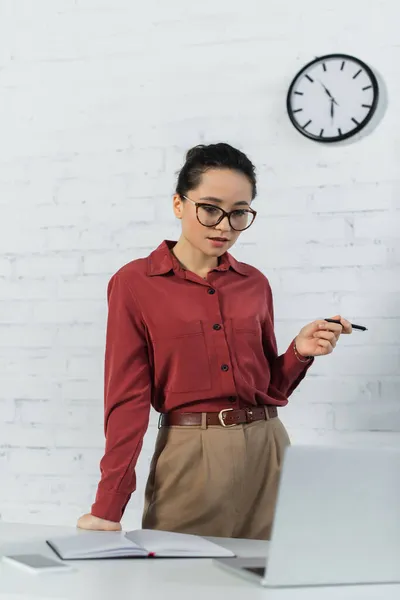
(228, 417)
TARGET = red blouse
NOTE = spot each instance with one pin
(181, 343)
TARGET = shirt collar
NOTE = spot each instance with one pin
(162, 261)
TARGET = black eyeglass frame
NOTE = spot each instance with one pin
(223, 214)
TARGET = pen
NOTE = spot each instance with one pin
(359, 327)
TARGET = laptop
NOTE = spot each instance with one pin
(337, 520)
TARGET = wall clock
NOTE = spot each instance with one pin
(333, 98)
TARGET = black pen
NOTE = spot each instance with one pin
(359, 327)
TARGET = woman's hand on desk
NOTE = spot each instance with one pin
(96, 524)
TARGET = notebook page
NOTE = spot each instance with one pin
(166, 543)
(95, 543)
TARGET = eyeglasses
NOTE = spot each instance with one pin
(210, 215)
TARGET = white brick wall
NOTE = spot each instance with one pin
(99, 99)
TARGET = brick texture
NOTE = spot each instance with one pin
(99, 102)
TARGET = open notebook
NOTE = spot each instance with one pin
(140, 543)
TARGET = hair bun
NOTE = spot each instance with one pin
(195, 153)
(201, 158)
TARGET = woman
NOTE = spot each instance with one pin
(190, 331)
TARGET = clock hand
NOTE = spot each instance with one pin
(329, 94)
(326, 90)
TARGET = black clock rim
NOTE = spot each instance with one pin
(356, 130)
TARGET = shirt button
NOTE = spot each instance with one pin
(224, 368)
(217, 326)
(211, 291)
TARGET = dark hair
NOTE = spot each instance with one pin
(214, 156)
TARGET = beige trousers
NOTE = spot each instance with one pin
(216, 481)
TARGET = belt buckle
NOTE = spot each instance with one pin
(221, 417)
(249, 415)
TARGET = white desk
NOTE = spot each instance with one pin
(151, 579)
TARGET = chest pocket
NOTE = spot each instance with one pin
(247, 324)
(181, 361)
(250, 361)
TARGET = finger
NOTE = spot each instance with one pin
(105, 525)
(320, 325)
(337, 328)
(311, 328)
(326, 335)
(333, 328)
(326, 346)
(347, 328)
(83, 522)
(345, 325)
(111, 526)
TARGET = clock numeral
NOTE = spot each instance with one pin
(339, 131)
(367, 87)
(297, 110)
(355, 121)
(321, 133)
(357, 74)
(310, 78)
(366, 105)
(307, 124)
(324, 66)
(299, 93)
(342, 67)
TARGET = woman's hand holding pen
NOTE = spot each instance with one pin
(320, 337)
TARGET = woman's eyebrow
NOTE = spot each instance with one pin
(213, 199)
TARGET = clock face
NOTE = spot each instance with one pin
(332, 98)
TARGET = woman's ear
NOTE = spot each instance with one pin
(177, 206)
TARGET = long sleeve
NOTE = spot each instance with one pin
(287, 371)
(127, 400)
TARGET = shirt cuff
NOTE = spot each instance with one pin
(296, 364)
(300, 357)
(110, 505)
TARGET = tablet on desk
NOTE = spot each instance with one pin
(37, 563)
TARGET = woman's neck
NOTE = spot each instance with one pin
(193, 259)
